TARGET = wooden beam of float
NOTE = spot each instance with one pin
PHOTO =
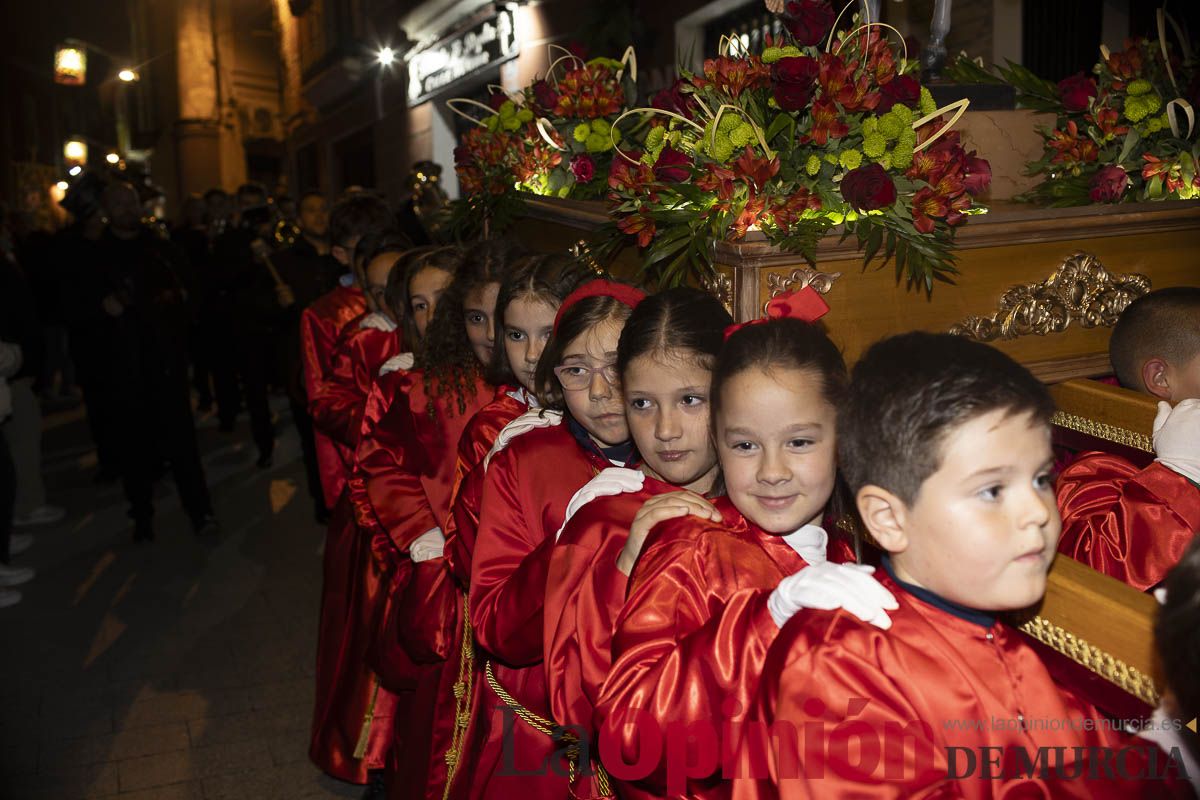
(1043, 285)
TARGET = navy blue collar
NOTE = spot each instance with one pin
(620, 453)
(974, 615)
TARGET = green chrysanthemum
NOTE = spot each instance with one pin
(927, 104)
(741, 135)
(1139, 87)
(524, 115)
(729, 121)
(890, 125)
(874, 145)
(901, 156)
(597, 143)
(850, 159)
(582, 132)
(813, 166)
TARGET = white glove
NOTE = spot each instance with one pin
(11, 359)
(810, 542)
(429, 545)
(828, 586)
(1177, 437)
(377, 321)
(404, 361)
(530, 420)
(614, 480)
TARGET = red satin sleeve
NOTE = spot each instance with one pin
(1132, 524)
(380, 396)
(338, 403)
(508, 570)
(690, 640)
(392, 461)
(316, 342)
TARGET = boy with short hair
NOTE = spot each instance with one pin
(1134, 524)
(946, 445)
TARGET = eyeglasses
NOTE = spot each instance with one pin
(574, 377)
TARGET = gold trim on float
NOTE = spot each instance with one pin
(1113, 670)
(583, 252)
(1102, 430)
(720, 286)
(779, 282)
(1079, 290)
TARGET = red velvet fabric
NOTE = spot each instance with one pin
(320, 325)
(932, 682)
(1132, 524)
(690, 641)
(339, 401)
(525, 494)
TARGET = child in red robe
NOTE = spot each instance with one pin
(538, 462)
(946, 444)
(525, 311)
(1127, 522)
(323, 321)
(345, 686)
(709, 593)
(665, 358)
(409, 472)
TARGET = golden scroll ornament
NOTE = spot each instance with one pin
(720, 286)
(779, 283)
(1079, 290)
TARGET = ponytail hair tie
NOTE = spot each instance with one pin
(804, 304)
(621, 292)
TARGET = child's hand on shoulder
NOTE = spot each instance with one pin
(657, 509)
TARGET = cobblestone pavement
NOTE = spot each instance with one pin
(179, 669)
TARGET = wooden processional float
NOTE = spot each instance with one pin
(1045, 285)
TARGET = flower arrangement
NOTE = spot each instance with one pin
(1123, 133)
(552, 138)
(792, 142)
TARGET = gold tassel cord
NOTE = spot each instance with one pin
(364, 733)
(463, 690)
(548, 727)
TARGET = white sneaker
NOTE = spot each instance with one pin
(15, 576)
(19, 542)
(9, 597)
(42, 515)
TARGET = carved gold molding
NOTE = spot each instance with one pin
(1102, 430)
(583, 251)
(720, 285)
(779, 282)
(1079, 290)
(1112, 669)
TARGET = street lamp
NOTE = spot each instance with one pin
(74, 171)
(70, 63)
(75, 151)
(386, 56)
(112, 158)
(128, 75)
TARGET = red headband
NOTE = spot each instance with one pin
(803, 304)
(622, 293)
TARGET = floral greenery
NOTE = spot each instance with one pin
(793, 142)
(1112, 139)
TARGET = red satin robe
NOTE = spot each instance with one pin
(525, 494)
(1133, 524)
(408, 466)
(345, 686)
(320, 325)
(935, 680)
(431, 613)
(584, 594)
(689, 644)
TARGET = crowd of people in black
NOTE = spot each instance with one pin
(151, 325)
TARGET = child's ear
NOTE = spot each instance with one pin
(1155, 378)
(884, 515)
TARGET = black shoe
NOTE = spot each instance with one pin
(143, 531)
(376, 788)
(265, 460)
(205, 524)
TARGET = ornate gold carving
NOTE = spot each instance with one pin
(1080, 289)
(778, 282)
(1081, 652)
(1102, 430)
(583, 251)
(720, 285)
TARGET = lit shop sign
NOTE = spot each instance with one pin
(436, 68)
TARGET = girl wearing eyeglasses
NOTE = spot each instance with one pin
(539, 461)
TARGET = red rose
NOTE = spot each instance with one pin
(674, 99)
(793, 80)
(497, 99)
(583, 168)
(545, 96)
(901, 89)
(672, 166)
(808, 21)
(1108, 184)
(868, 188)
(1076, 91)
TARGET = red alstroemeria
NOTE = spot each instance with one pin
(1126, 64)
(629, 176)
(837, 80)
(756, 170)
(1170, 172)
(588, 92)
(749, 217)
(1071, 148)
(641, 225)
(733, 75)
(928, 205)
(826, 123)
(787, 211)
(1105, 120)
(718, 180)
